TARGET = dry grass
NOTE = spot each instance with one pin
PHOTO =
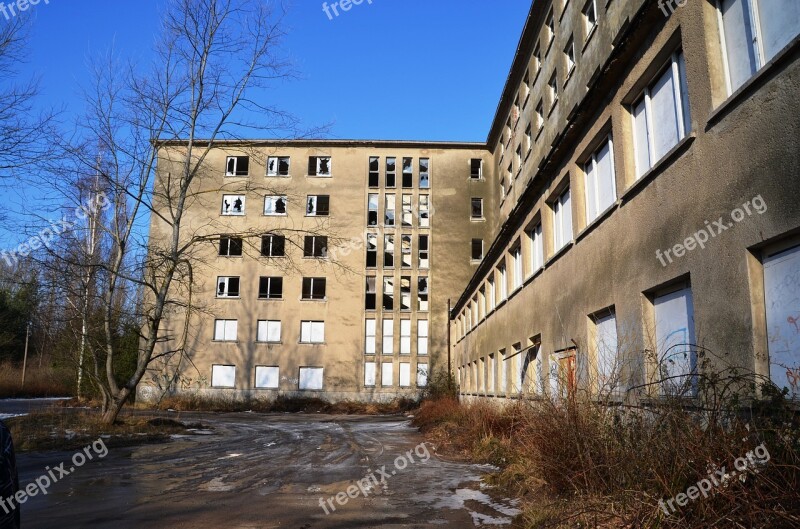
(582, 464)
(65, 429)
(42, 381)
(196, 402)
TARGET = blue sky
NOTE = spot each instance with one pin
(407, 69)
(395, 69)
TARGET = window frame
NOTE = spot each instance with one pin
(270, 281)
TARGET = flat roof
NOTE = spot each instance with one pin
(411, 144)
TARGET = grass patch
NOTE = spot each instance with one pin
(72, 430)
(584, 464)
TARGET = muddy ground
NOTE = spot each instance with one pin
(267, 471)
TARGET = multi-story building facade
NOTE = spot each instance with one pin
(649, 225)
(632, 220)
(322, 268)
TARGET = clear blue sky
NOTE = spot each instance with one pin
(396, 69)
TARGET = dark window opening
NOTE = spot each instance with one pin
(273, 246)
(270, 288)
(315, 246)
(314, 288)
(230, 247)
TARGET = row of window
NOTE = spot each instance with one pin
(278, 166)
(269, 331)
(276, 205)
(390, 294)
(390, 251)
(407, 215)
(406, 172)
(752, 32)
(387, 341)
(312, 378)
(314, 246)
(314, 288)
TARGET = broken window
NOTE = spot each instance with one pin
(422, 337)
(388, 293)
(230, 246)
(540, 115)
(389, 211)
(408, 211)
(370, 335)
(476, 169)
(388, 337)
(318, 205)
(319, 166)
(405, 337)
(424, 252)
(391, 172)
(477, 249)
(551, 28)
(424, 173)
(477, 208)
(237, 166)
(227, 287)
(589, 17)
(507, 132)
(371, 300)
(278, 166)
(312, 332)
(405, 293)
(372, 214)
(233, 205)
(528, 139)
(315, 246)
(270, 288)
(526, 86)
(408, 172)
(424, 211)
(422, 293)
(388, 251)
(269, 331)
(314, 288)
(422, 375)
(518, 157)
(372, 250)
(537, 60)
(273, 246)
(569, 54)
(225, 330)
(552, 87)
(374, 171)
(274, 205)
(405, 249)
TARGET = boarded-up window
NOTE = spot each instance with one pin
(608, 368)
(267, 377)
(782, 300)
(405, 337)
(422, 375)
(675, 339)
(312, 332)
(388, 337)
(226, 330)
(422, 337)
(223, 376)
(311, 379)
(405, 374)
(387, 374)
(370, 334)
(269, 331)
(369, 374)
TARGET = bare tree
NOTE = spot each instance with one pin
(147, 138)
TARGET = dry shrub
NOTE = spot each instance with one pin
(45, 381)
(580, 463)
(282, 404)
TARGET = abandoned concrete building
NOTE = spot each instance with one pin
(632, 219)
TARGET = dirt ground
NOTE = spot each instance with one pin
(267, 471)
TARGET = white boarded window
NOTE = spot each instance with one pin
(223, 376)
(674, 318)
(516, 264)
(661, 116)
(225, 330)
(492, 369)
(311, 378)
(269, 331)
(267, 377)
(422, 337)
(405, 374)
(388, 337)
(370, 332)
(502, 279)
(562, 220)
(387, 374)
(369, 374)
(405, 337)
(781, 295)
(492, 293)
(502, 380)
(536, 242)
(753, 32)
(422, 375)
(312, 332)
(605, 342)
(601, 186)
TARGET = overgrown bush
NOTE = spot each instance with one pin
(45, 381)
